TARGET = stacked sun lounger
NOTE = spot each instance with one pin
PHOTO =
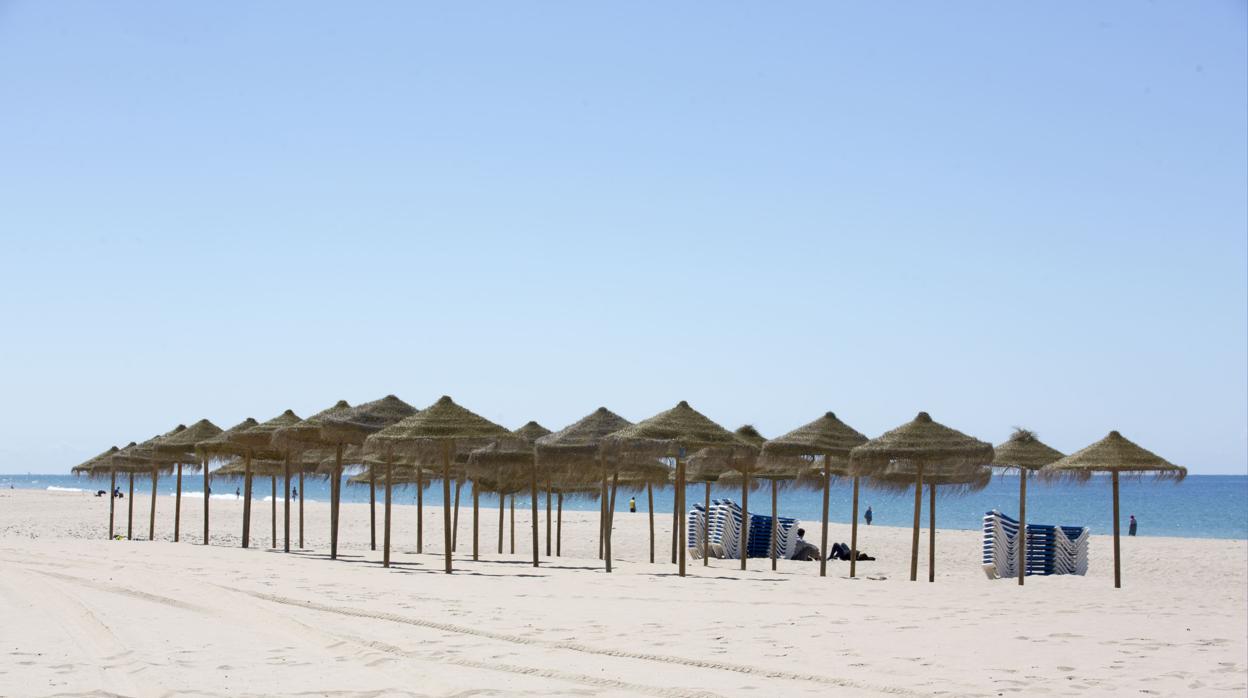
(1050, 549)
(725, 530)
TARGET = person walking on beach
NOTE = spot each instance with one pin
(237, 494)
(867, 516)
(632, 505)
(1131, 526)
(296, 494)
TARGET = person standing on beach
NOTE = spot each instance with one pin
(867, 516)
(632, 505)
(1131, 526)
(237, 494)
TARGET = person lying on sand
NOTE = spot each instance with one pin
(840, 551)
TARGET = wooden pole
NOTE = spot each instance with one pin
(680, 512)
(151, 522)
(459, 485)
(548, 531)
(476, 529)
(286, 502)
(675, 511)
(372, 510)
(918, 506)
(130, 510)
(513, 524)
(558, 528)
(446, 501)
(177, 507)
(533, 504)
(827, 488)
(745, 513)
(1117, 559)
(1022, 525)
(775, 523)
(334, 486)
(207, 496)
(420, 509)
(502, 523)
(273, 506)
(650, 511)
(706, 525)
(247, 498)
(602, 514)
(610, 519)
(931, 533)
(302, 494)
(853, 534)
(112, 501)
(385, 555)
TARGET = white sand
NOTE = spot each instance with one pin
(82, 615)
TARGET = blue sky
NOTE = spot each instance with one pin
(1001, 215)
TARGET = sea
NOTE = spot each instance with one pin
(1201, 506)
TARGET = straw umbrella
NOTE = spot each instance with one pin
(671, 434)
(531, 432)
(576, 452)
(955, 481)
(1023, 452)
(508, 464)
(707, 466)
(926, 448)
(143, 459)
(1114, 454)
(91, 467)
(353, 427)
(830, 440)
(179, 449)
(293, 439)
(256, 443)
(443, 427)
(222, 447)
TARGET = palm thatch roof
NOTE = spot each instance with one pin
(95, 463)
(398, 476)
(921, 441)
(236, 467)
(179, 447)
(713, 462)
(799, 453)
(1113, 453)
(306, 433)
(362, 421)
(222, 445)
(673, 432)
(1024, 450)
(260, 437)
(418, 438)
(901, 478)
(750, 435)
(532, 431)
(505, 464)
(143, 458)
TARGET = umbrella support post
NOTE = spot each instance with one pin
(459, 485)
(706, 526)
(420, 510)
(744, 542)
(775, 521)
(1022, 525)
(1117, 563)
(207, 498)
(680, 513)
(112, 501)
(301, 495)
(650, 511)
(476, 528)
(558, 527)
(675, 524)
(502, 522)
(151, 522)
(533, 505)
(286, 505)
(513, 524)
(823, 546)
(130, 510)
(602, 516)
(372, 510)
(385, 559)
(446, 501)
(273, 506)
(177, 508)
(615, 481)
(914, 540)
(547, 519)
(247, 499)
(931, 534)
(853, 534)
(334, 486)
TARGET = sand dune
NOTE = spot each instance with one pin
(84, 615)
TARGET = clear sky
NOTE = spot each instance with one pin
(1004, 215)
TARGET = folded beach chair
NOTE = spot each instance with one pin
(1050, 549)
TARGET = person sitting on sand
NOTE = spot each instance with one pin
(101, 493)
(805, 551)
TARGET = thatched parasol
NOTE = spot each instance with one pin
(830, 440)
(257, 442)
(531, 432)
(504, 465)
(353, 427)
(293, 439)
(93, 466)
(1114, 454)
(1023, 452)
(429, 435)
(925, 447)
(713, 465)
(674, 433)
(179, 449)
(143, 458)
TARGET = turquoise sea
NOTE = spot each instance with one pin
(1202, 506)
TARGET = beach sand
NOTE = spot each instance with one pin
(83, 615)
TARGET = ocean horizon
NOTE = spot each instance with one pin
(1201, 506)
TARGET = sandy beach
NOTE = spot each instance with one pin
(87, 616)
